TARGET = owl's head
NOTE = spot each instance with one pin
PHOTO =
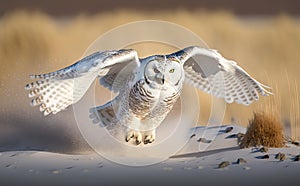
(161, 71)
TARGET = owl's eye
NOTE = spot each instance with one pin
(156, 70)
(172, 70)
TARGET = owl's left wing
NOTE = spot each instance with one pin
(207, 70)
(57, 90)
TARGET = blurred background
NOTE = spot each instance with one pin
(39, 36)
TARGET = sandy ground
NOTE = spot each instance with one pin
(191, 165)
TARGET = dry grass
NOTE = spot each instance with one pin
(264, 129)
(32, 42)
(294, 119)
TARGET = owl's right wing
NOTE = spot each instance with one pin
(57, 90)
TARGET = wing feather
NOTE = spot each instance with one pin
(57, 90)
(116, 77)
(207, 70)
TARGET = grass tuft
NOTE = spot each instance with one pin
(264, 129)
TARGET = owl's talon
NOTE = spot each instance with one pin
(150, 137)
(129, 136)
(138, 138)
(134, 134)
(146, 141)
(138, 142)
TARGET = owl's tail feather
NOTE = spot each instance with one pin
(104, 115)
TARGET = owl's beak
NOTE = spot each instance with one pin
(160, 78)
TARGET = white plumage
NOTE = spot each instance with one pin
(147, 88)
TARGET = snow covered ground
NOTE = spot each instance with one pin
(196, 164)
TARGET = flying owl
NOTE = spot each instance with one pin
(147, 87)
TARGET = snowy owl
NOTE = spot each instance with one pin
(147, 87)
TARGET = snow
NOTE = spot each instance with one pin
(197, 164)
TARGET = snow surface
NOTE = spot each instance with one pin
(195, 164)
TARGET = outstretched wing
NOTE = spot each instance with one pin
(57, 90)
(207, 70)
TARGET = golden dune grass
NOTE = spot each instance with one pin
(264, 129)
(32, 42)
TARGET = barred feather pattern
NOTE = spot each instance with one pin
(145, 105)
(51, 96)
(57, 90)
(137, 107)
(235, 86)
(140, 100)
(54, 95)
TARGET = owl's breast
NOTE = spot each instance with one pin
(140, 100)
(145, 102)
